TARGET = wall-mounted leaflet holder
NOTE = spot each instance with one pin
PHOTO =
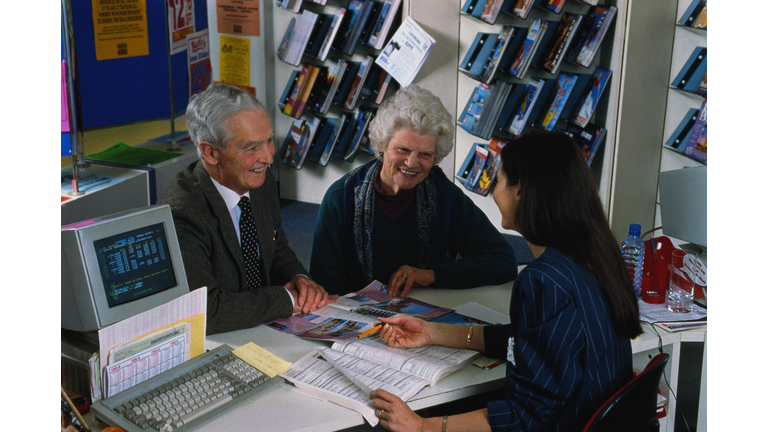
(693, 73)
(680, 136)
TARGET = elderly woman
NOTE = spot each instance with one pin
(572, 310)
(399, 220)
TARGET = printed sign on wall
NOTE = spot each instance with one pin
(120, 28)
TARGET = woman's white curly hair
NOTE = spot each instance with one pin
(418, 110)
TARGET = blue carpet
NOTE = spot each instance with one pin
(299, 225)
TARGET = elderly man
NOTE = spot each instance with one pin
(227, 214)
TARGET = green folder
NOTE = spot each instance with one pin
(123, 153)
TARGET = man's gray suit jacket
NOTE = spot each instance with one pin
(212, 254)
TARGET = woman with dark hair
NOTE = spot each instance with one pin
(572, 311)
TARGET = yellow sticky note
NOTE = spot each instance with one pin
(261, 359)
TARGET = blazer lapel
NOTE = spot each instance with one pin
(226, 227)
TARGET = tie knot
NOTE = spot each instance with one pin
(244, 203)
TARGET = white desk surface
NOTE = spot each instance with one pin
(288, 410)
(285, 409)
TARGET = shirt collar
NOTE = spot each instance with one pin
(231, 198)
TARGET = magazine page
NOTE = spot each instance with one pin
(374, 300)
(371, 376)
(354, 314)
(317, 377)
(327, 323)
(431, 362)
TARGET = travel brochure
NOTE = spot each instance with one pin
(354, 365)
(356, 313)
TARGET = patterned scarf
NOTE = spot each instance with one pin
(359, 186)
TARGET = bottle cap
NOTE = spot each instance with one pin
(634, 229)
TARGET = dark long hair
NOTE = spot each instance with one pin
(560, 207)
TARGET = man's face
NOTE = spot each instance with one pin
(242, 164)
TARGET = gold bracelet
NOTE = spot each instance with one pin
(469, 336)
(445, 423)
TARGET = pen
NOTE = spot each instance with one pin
(367, 332)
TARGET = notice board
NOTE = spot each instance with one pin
(131, 89)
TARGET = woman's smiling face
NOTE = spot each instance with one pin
(407, 160)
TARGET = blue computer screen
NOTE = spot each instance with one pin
(135, 264)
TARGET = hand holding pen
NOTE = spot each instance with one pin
(376, 327)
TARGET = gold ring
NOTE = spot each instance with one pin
(379, 412)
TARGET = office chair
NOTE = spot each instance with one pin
(633, 407)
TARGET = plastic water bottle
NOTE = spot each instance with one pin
(633, 251)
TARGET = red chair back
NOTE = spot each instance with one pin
(633, 407)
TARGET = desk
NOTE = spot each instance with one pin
(285, 409)
(132, 192)
(136, 189)
(647, 345)
(299, 412)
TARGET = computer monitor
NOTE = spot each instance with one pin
(117, 266)
(683, 202)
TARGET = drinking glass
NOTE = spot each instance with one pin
(683, 272)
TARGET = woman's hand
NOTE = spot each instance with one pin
(405, 332)
(394, 414)
(407, 277)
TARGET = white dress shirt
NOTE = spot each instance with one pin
(231, 199)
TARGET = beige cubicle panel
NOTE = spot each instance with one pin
(165, 171)
(133, 191)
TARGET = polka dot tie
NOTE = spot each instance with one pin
(249, 242)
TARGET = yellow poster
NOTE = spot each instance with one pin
(120, 28)
(234, 60)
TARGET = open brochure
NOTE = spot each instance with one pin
(348, 371)
(430, 362)
(356, 313)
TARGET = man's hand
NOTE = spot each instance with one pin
(308, 295)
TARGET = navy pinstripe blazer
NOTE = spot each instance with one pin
(566, 359)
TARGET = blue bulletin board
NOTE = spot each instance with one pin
(127, 90)
(66, 142)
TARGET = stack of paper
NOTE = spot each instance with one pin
(145, 345)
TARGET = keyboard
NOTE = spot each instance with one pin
(188, 396)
